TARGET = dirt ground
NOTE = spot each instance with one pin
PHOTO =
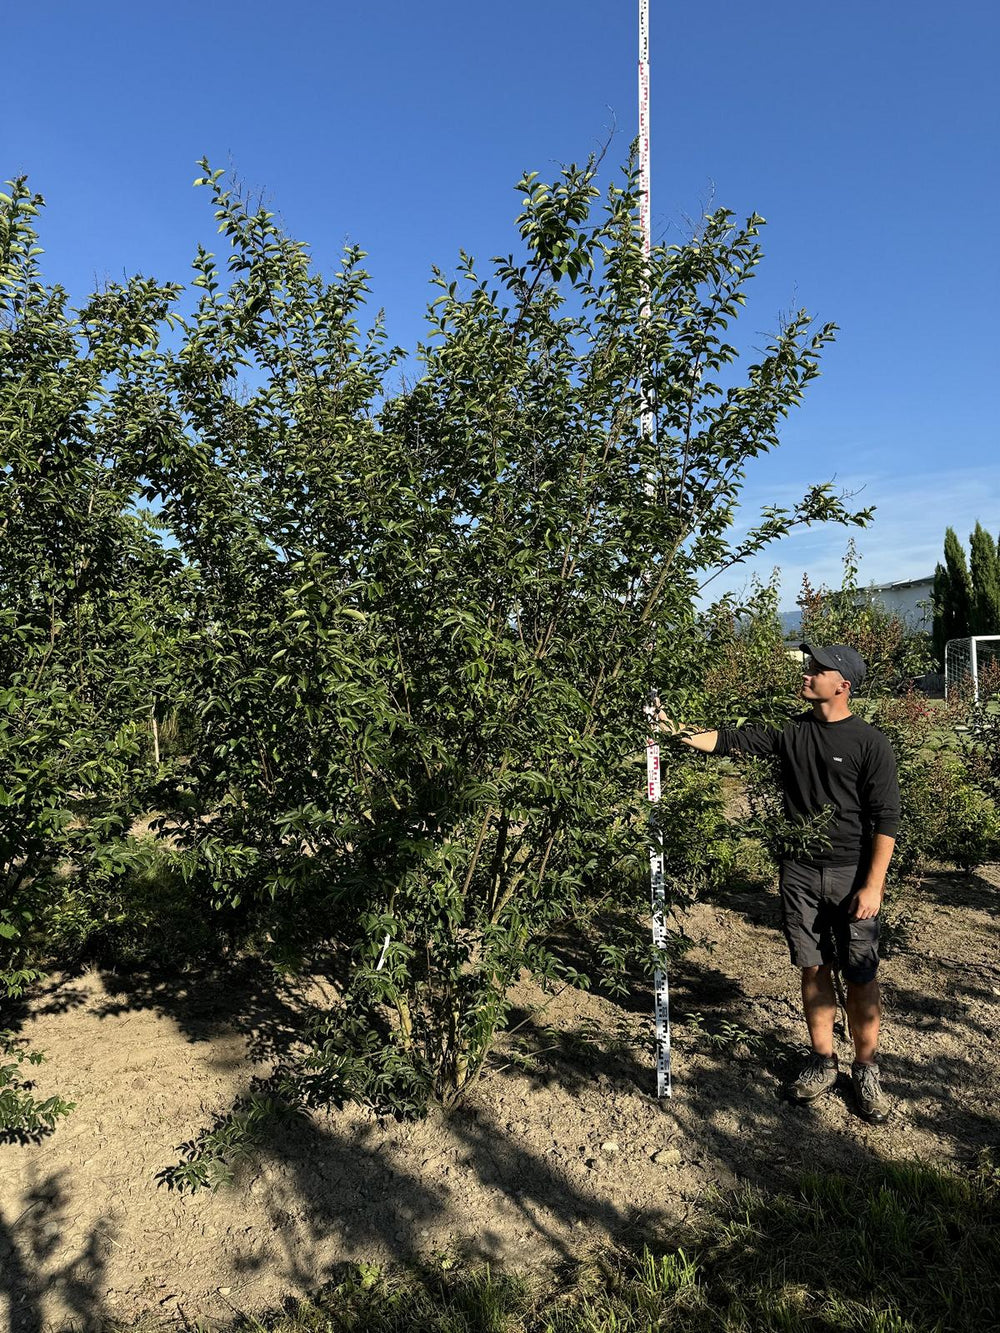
(561, 1147)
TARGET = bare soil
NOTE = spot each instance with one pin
(561, 1147)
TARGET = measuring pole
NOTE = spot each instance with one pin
(661, 987)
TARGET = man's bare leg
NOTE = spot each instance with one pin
(820, 1006)
(864, 1011)
(819, 1003)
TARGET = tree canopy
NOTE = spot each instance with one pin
(409, 629)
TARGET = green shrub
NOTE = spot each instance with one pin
(894, 653)
(22, 1115)
(947, 815)
(135, 905)
(748, 672)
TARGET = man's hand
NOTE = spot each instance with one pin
(698, 740)
(869, 899)
(867, 903)
(662, 723)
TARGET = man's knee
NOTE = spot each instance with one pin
(863, 992)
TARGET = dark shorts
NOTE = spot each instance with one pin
(816, 910)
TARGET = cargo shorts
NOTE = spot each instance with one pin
(816, 906)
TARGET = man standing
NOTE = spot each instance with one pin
(833, 762)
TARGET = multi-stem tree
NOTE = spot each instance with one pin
(426, 621)
(413, 628)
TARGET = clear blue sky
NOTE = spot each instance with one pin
(865, 133)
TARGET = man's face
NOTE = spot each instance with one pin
(820, 683)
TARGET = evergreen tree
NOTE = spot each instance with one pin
(985, 582)
(958, 616)
(941, 602)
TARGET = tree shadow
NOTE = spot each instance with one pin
(331, 1197)
(958, 888)
(736, 1048)
(28, 1276)
(573, 1058)
(51, 996)
(247, 997)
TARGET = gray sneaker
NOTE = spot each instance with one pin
(873, 1104)
(818, 1076)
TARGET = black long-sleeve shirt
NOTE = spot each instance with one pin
(848, 766)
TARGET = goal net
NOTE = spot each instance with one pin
(972, 667)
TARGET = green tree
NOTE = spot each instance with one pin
(985, 576)
(954, 611)
(941, 606)
(425, 623)
(413, 629)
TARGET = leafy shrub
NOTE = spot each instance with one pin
(894, 653)
(749, 672)
(22, 1115)
(946, 813)
(135, 905)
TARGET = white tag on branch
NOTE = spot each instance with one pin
(381, 957)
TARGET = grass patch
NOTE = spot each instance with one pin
(903, 1248)
(441, 1298)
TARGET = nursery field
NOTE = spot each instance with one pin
(323, 833)
(560, 1160)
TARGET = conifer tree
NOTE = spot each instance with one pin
(960, 598)
(941, 602)
(985, 572)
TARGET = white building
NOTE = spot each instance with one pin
(910, 598)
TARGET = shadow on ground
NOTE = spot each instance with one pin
(28, 1244)
(329, 1194)
(271, 1012)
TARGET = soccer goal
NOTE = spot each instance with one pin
(971, 664)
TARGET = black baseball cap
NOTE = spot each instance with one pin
(839, 657)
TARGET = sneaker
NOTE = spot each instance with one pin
(818, 1076)
(873, 1104)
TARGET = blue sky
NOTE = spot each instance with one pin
(865, 133)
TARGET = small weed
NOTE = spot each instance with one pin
(725, 1037)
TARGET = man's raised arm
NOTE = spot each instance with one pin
(698, 740)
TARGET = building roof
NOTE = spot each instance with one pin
(903, 583)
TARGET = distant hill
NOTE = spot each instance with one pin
(790, 621)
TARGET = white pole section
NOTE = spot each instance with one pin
(661, 988)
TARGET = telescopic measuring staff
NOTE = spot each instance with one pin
(661, 987)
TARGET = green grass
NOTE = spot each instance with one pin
(903, 1248)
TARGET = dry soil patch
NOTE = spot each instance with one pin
(561, 1147)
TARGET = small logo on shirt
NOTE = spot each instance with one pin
(837, 759)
